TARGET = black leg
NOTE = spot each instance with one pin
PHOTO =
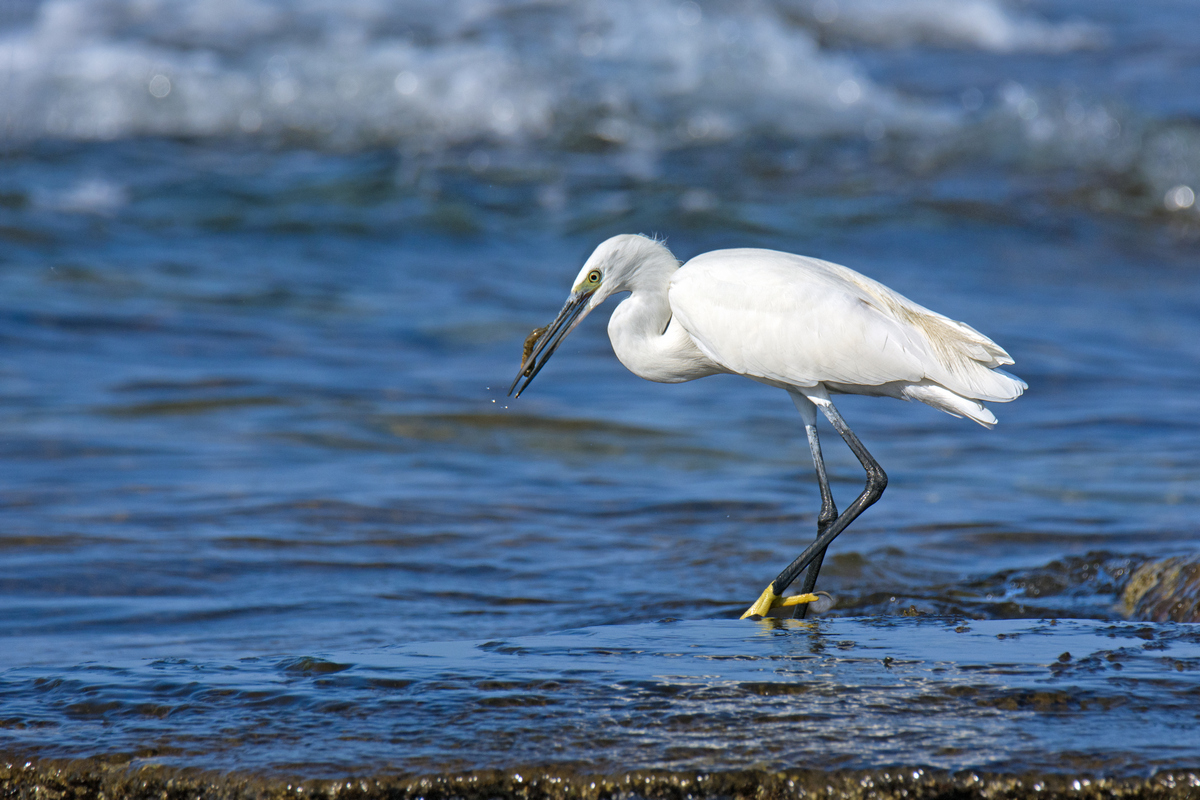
(876, 483)
(824, 519)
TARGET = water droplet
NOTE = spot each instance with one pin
(590, 45)
(160, 86)
(1179, 198)
(849, 92)
(689, 14)
(406, 83)
(825, 11)
(503, 110)
(250, 120)
(478, 161)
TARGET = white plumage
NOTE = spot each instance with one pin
(804, 325)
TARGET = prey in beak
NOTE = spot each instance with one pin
(530, 341)
(542, 343)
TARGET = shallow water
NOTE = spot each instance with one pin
(701, 696)
(253, 381)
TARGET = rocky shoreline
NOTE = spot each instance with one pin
(116, 779)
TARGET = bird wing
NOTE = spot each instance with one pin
(800, 321)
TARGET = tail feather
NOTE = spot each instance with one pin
(980, 383)
(956, 405)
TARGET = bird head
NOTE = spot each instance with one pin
(612, 267)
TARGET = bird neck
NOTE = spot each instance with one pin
(641, 332)
(647, 311)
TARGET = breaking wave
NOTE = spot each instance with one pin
(642, 74)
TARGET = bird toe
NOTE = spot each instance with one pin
(769, 600)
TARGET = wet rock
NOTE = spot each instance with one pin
(114, 780)
(1164, 591)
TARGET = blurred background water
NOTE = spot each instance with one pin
(266, 268)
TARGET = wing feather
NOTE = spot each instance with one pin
(799, 321)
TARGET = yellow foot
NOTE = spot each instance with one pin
(768, 600)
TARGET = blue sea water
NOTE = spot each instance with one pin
(266, 269)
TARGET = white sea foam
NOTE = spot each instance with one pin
(978, 24)
(639, 77)
(639, 74)
(88, 196)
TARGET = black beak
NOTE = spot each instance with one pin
(545, 345)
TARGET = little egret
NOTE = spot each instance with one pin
(804, 325)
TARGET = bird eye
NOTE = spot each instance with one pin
(594, 276)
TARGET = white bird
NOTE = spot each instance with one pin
(804, 325)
